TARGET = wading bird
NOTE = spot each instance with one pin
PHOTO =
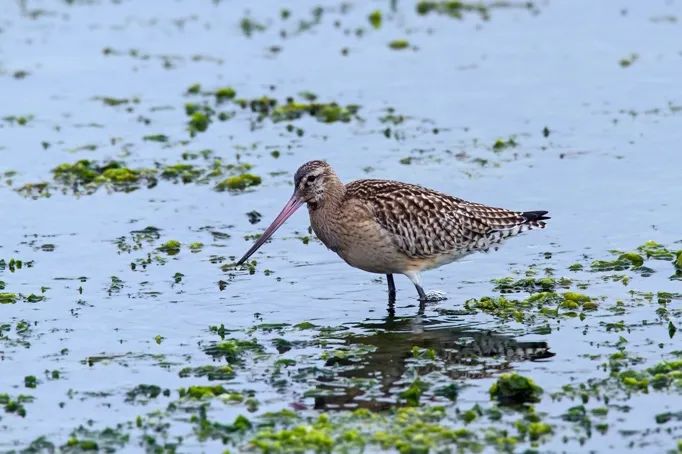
(388, 227)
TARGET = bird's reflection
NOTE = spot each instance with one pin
(460, 353)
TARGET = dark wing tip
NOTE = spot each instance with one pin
(532, 216)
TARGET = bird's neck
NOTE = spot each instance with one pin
(325, 214)
(334, 192)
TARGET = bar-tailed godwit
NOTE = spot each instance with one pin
(389, 227)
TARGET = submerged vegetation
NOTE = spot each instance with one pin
(86, 177)
(211, 106)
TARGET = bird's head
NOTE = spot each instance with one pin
(311, 182)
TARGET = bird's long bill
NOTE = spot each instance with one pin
(291, 206)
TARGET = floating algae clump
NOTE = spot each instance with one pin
(513, 388)
(375, 18)
(324, 112)
(530, 284)
(90, 174)
(233, 350)
(8, 298)
(196, 246)
(203, 392)
(316, 437)
(399, 44)
(453, 8)
(182, 172)
(198, 122)
(121, 175)
(238, 182)
(225, 93)
(655, 251)
(15, 405)
(170, 247)
(501, 144)
(156, 138)
(414, 392)
(666, 373)
(82, 172)
(545, 304)
(211, 372)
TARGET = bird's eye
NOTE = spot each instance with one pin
(311, 178)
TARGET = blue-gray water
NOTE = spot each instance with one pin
(608, 172)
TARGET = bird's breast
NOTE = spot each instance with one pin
(360, 241)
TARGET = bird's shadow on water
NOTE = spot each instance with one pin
(444, 350)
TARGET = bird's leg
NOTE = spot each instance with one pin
(416, 279)
(391, 286)
(422, 294)
(391, 295)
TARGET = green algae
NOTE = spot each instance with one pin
(457, 8)
(249, 26)
(81, 445)
(654, 250)
(501, 144)
(423, 353)
(514, 389)
(19, 120)
(413, 393)
(186, 173)
(105, 440)
(635, 260)
(198, 122)
(196, 246)
(145, 393)
(323, 112)
(239, 182)
(267, 108)
(14, 265)
(156, 138)
(121, 175)
(8, 298)
(87, 176)
(375, 18)
(170, 247)
(224, 94)
(305, 325)
(114, 102)
(628, 61)
(15, 405)
(530, 284)
(207, 392)
(407, 430)
(399, 44)
(211, 372)
(453, 8)
(233, 350)
(35, 190)
(254, 217)
(542, 304)
(314, 437)
(30, 381)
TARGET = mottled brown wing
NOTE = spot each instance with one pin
(426, 223)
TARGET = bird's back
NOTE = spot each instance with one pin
(425, 224)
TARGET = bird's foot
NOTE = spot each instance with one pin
(433, 296)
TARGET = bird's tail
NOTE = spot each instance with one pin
(535, 219)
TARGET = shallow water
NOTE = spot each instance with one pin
(608, 172)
